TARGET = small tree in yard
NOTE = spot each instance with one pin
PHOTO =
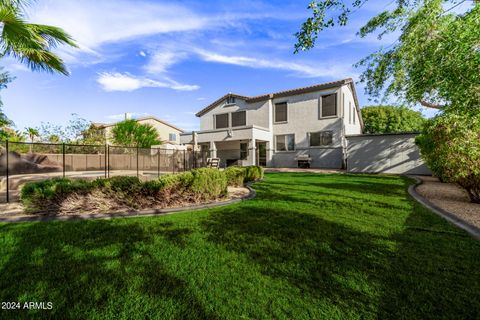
(130, 133)
(391, 119)
(450, 145)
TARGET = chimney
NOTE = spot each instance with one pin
(128, 116)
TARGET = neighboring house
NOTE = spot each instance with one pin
(278, 129)
(168, 133)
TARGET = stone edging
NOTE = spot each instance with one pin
(470, 229)
(141, 213)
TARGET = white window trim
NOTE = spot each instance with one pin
(275, 112)
(231, 118)
(320, 106)
(215, 120)
(285, 151)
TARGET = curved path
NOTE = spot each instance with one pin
(450, 217)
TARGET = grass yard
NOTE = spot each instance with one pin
(308, 247)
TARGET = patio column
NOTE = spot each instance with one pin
(252, 152)
(269, 148)
(213, 149)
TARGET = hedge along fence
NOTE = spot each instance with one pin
(60, 196)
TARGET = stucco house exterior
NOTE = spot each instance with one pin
(280, 128)
(168, 133)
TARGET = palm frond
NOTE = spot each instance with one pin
(31, 43)
(53, 36)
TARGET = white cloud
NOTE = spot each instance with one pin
(93, 23)
(161, 60)
(142, 53)
(301, 69)
(115, 81)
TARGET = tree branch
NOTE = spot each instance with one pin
(431, 105)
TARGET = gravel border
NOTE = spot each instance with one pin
(127, 214)
(453, 219)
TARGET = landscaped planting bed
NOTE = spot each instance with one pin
(73, 196)
(308, 246)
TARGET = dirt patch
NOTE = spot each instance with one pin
(451, 198)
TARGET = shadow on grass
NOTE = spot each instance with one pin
(410, 275)
(94, 269)
(323, 259)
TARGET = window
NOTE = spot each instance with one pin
(239, 118)
(280, 112)
(354, 112)
(230, 100)
(243, 151)
(329, 105)
(321, 138)
(349, 112)
(221, 121)
(285, 142)
(172, 137)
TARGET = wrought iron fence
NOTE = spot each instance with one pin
(21, 162)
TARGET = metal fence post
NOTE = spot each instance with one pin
(7, 172)
(63, 154)
(137, 163)
(108, 161)
(105, 160)
(184, 160)
(158, 164)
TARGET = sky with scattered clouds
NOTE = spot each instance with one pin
(170, 59)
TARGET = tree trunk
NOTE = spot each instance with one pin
(474, 194)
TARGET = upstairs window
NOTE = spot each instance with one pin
(329, 105)
(281, 112)
(349, 112)
(321, 138)
(230, 100)
(354, 111)
(172, 137)
(285, 142)
(239, 118)
(221, 121)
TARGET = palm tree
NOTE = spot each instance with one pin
(32, 134)
(30, 43)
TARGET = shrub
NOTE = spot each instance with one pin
(235, 176)
(253, 173)
(450, 145)
(208, 183)
(41, 194)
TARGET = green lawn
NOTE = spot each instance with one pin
(307, 247)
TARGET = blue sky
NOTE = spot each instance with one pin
(170, 59)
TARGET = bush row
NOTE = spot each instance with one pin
(61, 195)
(238, 176)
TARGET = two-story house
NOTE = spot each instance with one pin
(278, 129)
(167, 132)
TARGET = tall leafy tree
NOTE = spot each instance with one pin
(28, 42)
(434, 62)
(32, 133)
(391, 119)
(130, 133)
